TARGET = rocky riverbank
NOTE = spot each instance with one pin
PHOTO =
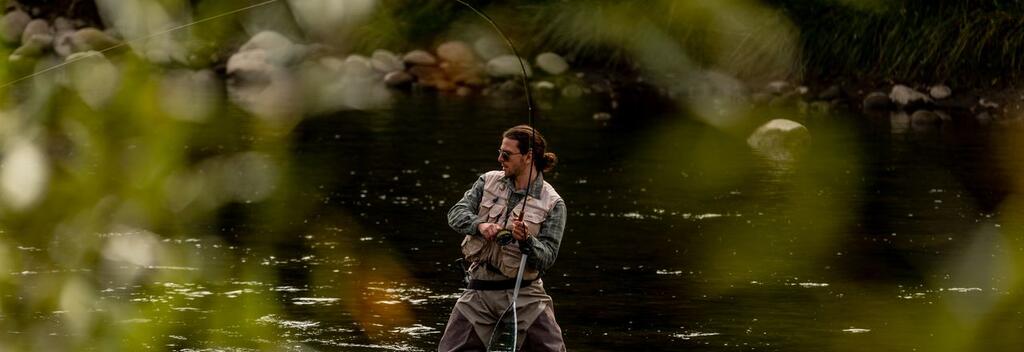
(274, 77)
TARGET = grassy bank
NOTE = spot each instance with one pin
(973, 43)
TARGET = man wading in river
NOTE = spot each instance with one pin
(487, 208)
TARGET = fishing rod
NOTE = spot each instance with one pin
(504, 236)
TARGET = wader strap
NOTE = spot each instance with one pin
(496, 285)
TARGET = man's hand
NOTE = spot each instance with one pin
(489, 230)
(519, 230)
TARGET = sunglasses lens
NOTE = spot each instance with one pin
(504, 155)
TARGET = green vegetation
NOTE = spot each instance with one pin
(970, 42)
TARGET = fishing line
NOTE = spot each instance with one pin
(148, 37)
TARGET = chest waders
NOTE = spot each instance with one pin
(504, 236)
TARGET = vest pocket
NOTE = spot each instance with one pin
(472, 246)
(495, 213)
(509, 265)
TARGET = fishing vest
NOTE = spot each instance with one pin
(493, 207)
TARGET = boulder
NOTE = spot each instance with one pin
(419, 57)
(508, 65)
(939, 92)
(92, 39)
(12, 25)
(456, 52)
(39, 31)
(552, 63)
(904, 96)
(877, 101)
(780, 139)
(385, 61)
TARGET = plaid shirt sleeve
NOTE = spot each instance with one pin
(463, 215)
(543, 249)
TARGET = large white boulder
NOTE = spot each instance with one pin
(780, 139)
(456, 52)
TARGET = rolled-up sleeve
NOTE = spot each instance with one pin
(543, 249)
(463, 215)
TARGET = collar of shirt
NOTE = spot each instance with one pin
(535, 188)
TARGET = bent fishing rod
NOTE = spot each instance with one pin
(505, 236)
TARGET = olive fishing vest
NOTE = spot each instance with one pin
(493, 209)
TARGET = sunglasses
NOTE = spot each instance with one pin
(505, 156)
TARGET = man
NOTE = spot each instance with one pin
(493, 204)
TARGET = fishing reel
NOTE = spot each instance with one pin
(504, 237)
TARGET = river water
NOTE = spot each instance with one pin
(679, 237)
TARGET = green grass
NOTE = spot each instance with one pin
(957, 41)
